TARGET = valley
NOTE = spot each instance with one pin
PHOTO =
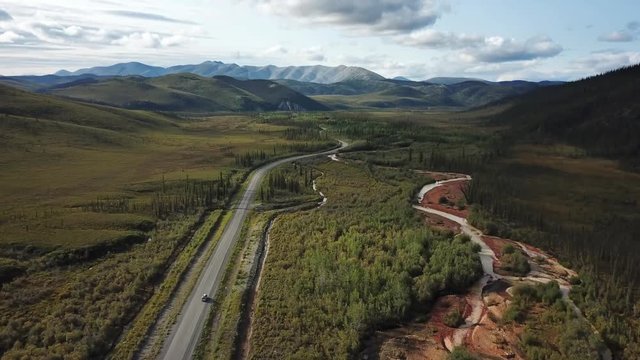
(324, 212)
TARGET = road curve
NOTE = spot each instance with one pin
(185, 333)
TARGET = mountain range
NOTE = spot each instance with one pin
(185, 93)
(215, 86)
(317, 73)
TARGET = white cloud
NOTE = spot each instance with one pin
(430, 38)
(628, 34)
(314, 53)
(499, 49)
(617, 36)
(475, 48)
(602, 61)
(275, 50)
(374, 16)
(9, 37)
(148, 40)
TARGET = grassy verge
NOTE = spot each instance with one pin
(211, 329)
(182, 292)
(222, 344)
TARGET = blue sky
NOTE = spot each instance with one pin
(419, 39)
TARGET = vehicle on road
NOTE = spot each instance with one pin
(205, 298)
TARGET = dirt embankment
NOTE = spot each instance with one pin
(448, 198)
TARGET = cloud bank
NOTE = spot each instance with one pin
(485, 49)
(148, 16)
(375, 16)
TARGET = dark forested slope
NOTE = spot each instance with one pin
(600, 114)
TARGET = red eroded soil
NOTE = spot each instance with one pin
(440, 223)
(439, 176)
(424, 340)
(452, 192)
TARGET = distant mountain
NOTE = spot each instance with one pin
(410, 94)
(402, 78)
(124, 69)
(318, 73)
(35, 83)
(452, 80)
(185, 93)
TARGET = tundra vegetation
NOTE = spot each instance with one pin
(363, 261)
(96, 205)
(552, 330)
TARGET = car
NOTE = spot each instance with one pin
(205, 298)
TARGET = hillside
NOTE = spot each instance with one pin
(566, 175)
(16, 102)
(200, 93)
(600, 114)
(412, 94)
(186, 93)
(317, 73)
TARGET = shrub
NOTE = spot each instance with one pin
(460, 353)
(453, 318)
(516, 263)
(509, 249)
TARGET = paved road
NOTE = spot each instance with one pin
(185, 334)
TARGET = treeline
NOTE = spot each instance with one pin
(288, 181)
(258, 157)
(187, 196)
(305, 133)
(362, 262)
(252, 158)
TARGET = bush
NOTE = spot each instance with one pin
(453, 318)
(460, 353)
(516, 263)
(509, 249)
(517, 312)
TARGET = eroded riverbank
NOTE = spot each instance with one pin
(485, 303)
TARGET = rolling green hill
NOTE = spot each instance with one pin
(186, 93)
(25, 104)
(411, 94)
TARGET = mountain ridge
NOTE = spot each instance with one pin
(185, 92)
(309, 73)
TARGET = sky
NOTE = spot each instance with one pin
(418, 39)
